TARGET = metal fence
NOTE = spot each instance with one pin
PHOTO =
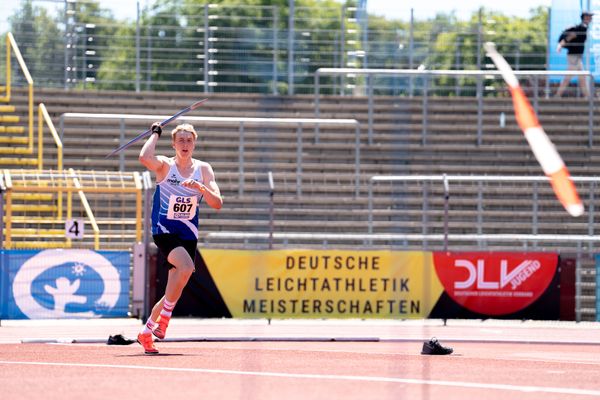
(480, 210)
(242, 123)
(261, 49)
(427, 83)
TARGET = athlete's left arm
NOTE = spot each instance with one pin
(208, 187)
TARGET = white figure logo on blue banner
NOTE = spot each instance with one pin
(65, 284)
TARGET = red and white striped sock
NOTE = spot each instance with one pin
(167, 308)
(149, 327)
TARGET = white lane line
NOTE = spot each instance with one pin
(472, 385)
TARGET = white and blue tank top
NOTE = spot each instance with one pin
(175, 208)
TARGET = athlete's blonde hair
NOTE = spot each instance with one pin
(182, 128)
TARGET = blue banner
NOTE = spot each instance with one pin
(61, 283)
(566, 13)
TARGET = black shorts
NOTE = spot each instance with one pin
(166, 242)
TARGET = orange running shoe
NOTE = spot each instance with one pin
(161, 329)
(145, 339)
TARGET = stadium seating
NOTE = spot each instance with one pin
(328, 167)
(327, 202)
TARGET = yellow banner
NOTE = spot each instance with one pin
(325, 283)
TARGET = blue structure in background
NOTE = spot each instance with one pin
(567, 13)
(61, 283)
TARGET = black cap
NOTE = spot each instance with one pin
(586, 13)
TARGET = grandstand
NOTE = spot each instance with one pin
(328, 166)
(331, 204)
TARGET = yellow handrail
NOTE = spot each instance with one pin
(11, 43)
(8, 210)
(88, 209)
(68, 181)
(44, 116)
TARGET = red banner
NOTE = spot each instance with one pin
(495, 283)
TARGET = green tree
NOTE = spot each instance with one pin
(522, 41)
(240, 51)
(90, 31)
(40, 41)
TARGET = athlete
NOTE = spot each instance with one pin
(181, 183)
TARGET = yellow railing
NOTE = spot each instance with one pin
(36, 181)
(43, 116)
(86, 206)
(11, 46)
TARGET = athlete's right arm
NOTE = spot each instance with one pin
(148, 157)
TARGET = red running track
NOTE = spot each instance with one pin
(268, 370)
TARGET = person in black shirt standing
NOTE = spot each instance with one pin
(573, 39)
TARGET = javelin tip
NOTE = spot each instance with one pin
(197, 104)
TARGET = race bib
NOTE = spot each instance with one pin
(182, 207)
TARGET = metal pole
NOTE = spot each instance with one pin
(425, 216)
(479, 81)
(343, 49)
(67, 45)
(149, 60)
(147, 180)
(317, 104)
(370, 91)
(457, 66)
(275, 48)
(271, 208)
(137, 48)
(299, 160)
(446, 201)
(84, 58)
(479, 38)
(206, 53)
(291, 48)
(536, 85)
(534, 213)
(591, 209)
(357, 160)
(365, 33)
(121, 141)
(591, 96)
(587, 48)
(479, 208)
(370, 199)
(411, 45)
(241, 161)
(479, 111)
(424, 112)
(548, 47)
(578, 284)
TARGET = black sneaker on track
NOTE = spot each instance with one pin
(119, 340)
(434, 348)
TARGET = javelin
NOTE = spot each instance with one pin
(543, 149)
(149, 131)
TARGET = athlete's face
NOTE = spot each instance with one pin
(184, 143)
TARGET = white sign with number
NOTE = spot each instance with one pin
(74, 228)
